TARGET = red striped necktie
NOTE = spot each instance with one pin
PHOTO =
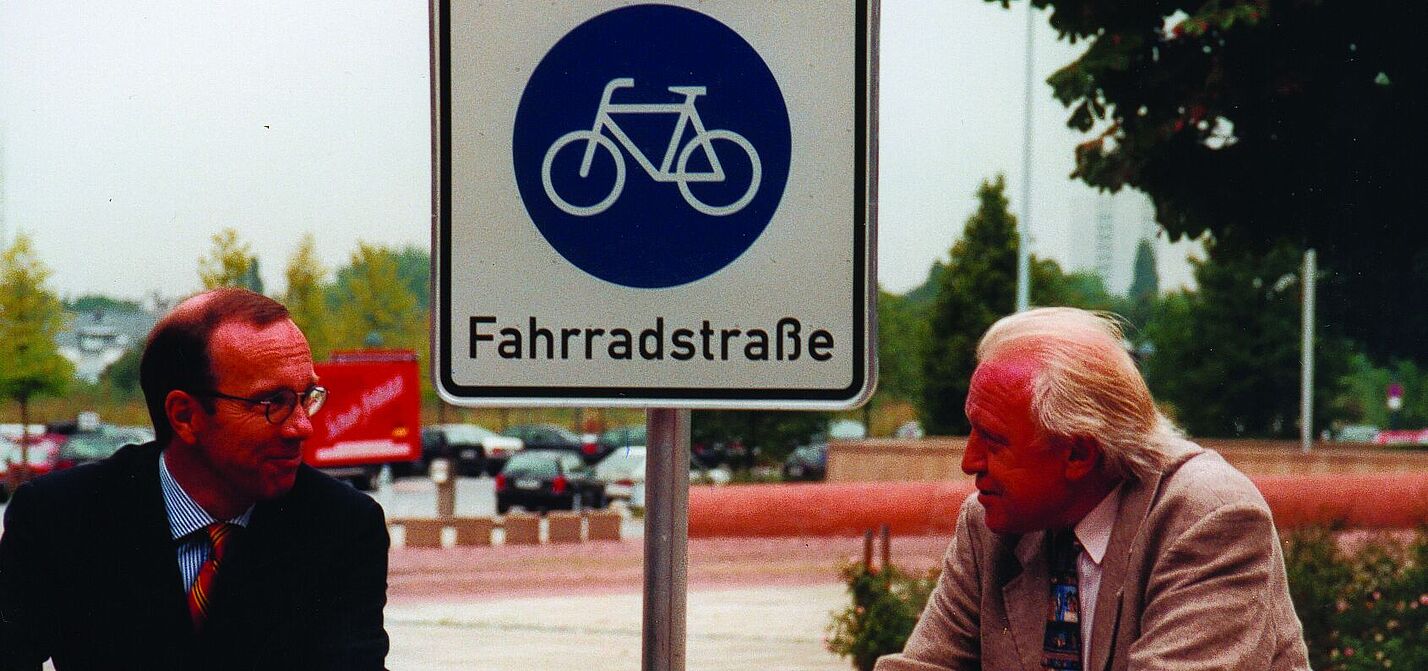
(219, 534)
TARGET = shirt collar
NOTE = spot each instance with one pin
(1094, 530)
(185, 515)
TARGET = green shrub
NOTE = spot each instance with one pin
(1362, 610)
(884, 610)
(1367, 610)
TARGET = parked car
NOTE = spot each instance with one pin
(89, 446)
(910, 430)
(543, 480)
(847, 429)
(473, 449)
(623, 436)
(1356, 433)
(552, 437)
(42, 457)
(807, 462)
(620, 470)
(708, 454)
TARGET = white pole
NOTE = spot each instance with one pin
(1023, 248)
(1306, 382)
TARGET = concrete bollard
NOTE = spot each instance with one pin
(563, 527)
(423, 533)
(473, 530)
(604, 525)
(522, 529)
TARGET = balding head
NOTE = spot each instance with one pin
(176, 355)
(1085, 385)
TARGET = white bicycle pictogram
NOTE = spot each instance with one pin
(680, 175)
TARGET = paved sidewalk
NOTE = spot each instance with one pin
(753, 603)
(737, 629)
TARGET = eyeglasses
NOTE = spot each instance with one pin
(278, 406)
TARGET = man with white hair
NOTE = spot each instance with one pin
(1098, 537)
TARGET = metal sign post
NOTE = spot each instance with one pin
(666, 538)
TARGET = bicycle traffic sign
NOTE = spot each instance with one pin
(653, 203)
(703, 142)
(690, 128)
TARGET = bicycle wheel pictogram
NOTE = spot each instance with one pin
(706, 142)
(592, 140)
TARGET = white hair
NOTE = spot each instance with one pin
(1086, 384)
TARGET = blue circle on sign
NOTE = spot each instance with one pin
(651, 146)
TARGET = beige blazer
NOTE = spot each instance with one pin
(1193, 578)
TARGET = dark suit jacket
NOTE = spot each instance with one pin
(89, 576)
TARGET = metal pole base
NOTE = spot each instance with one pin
(666, 539)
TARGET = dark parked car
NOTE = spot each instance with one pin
(472, 449)
(808, 462)
(552, 437)
(622, 436)
(631, 435)
(708, 454)
(543, 480)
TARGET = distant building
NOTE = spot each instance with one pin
(1106, 230)
(96, 339)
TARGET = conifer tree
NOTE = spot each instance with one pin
(977, 288)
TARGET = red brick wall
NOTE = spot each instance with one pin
(1390, 500)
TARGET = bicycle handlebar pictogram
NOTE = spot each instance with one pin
(675, 157)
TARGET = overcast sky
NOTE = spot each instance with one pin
(130, 132)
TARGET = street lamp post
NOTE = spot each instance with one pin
(1023, 247)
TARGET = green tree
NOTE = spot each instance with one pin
(305, 297)
(1144, 287)
(903, 336)
(1145, 281)
(374, 305)
(1227, 357)
(773, 432)
(413, 270)
(1365, 397)
(924, 294)
(123, 375)
(229, 264)
(30, 318)
(253, 278)
(1266, 123)
(977, 288)
(98, 303)
(1050, 285)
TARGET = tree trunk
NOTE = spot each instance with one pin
(20, 473)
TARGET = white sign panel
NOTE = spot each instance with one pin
(664, 205)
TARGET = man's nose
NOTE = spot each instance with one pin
(974, 458)
(298, 424)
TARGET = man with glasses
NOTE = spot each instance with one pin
(212, 547)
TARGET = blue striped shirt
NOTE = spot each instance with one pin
(187, 520)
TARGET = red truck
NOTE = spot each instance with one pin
(372, 415)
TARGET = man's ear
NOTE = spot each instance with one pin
(1083, 457)
(183, 411)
